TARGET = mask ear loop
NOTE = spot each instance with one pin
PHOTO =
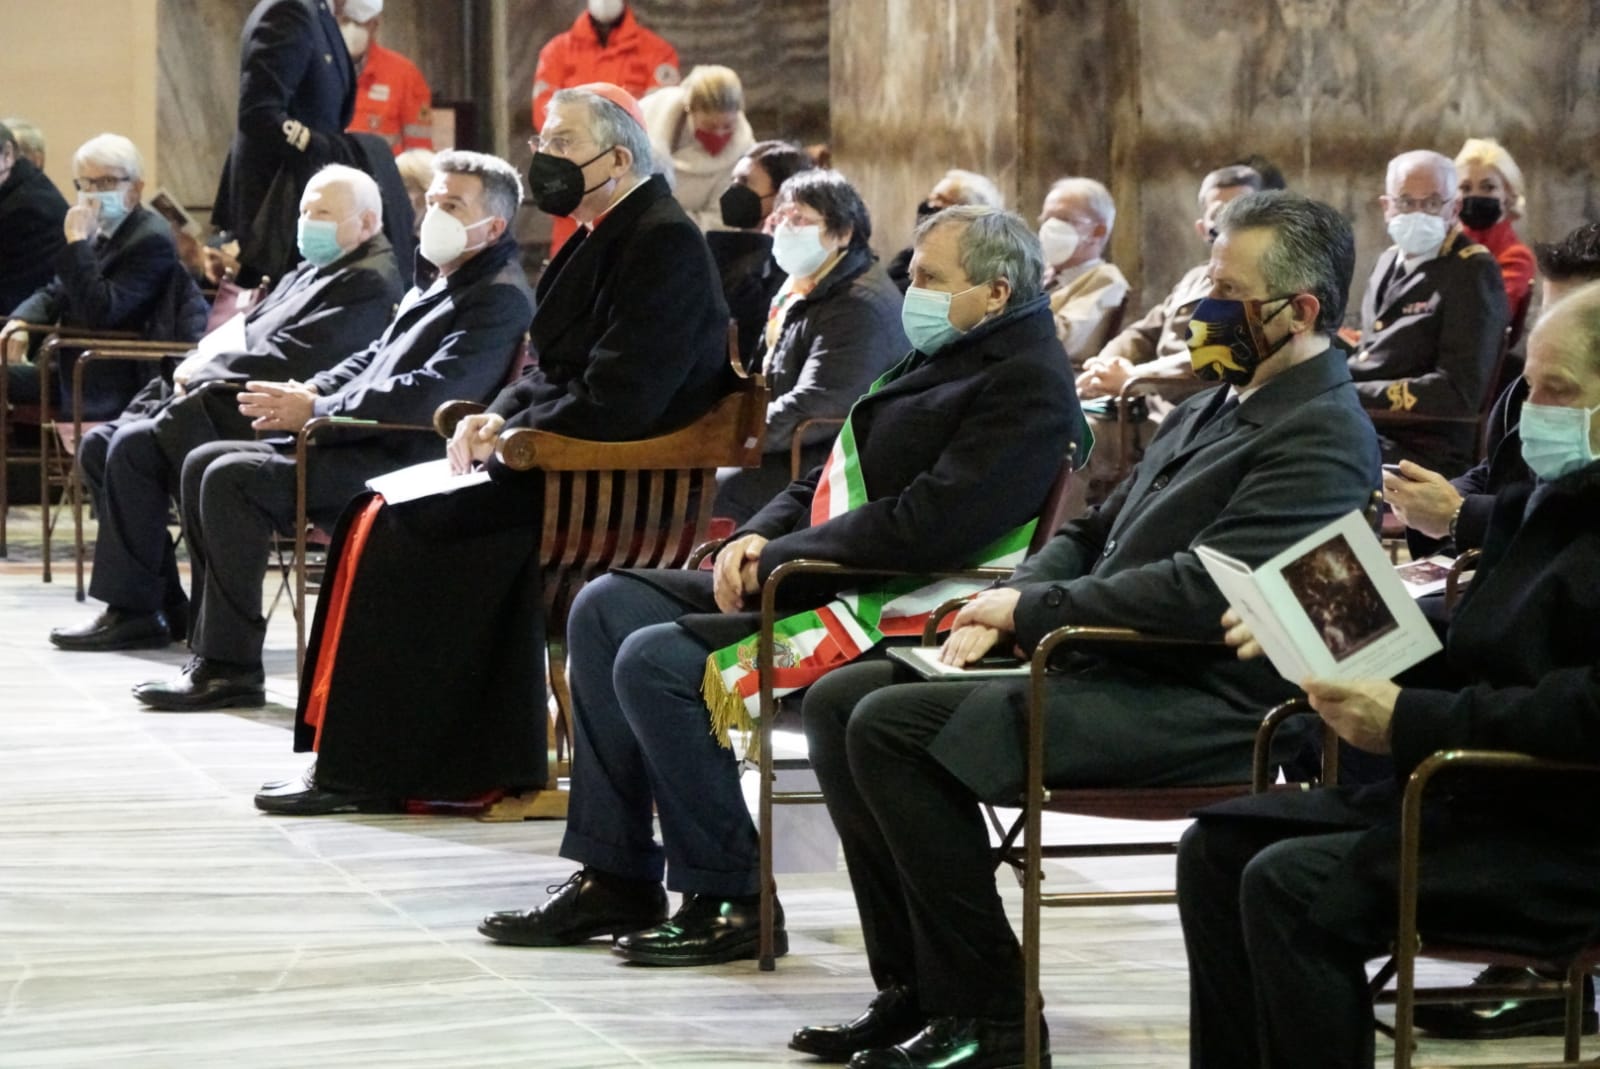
(1257, 323)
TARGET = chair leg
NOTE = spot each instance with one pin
(75, 485)
(46, 433)
(1405, 961)
(1574, 1006)
(769, 890)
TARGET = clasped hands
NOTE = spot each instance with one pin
(1360, 712)
(473, 441)
(980, 626)
(277, 406)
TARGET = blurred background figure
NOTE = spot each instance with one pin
(30, 140)
(31, 212)
(1491, 201)
(416, 171)
(392, 97)
(702, 132)
(1086, 293)
(956, 187)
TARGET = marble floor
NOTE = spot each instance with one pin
(151, 918)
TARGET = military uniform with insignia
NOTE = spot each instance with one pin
(1430, 338)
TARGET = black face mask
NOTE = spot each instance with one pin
(925, 209)
(741, 207)
(556, 183)
(1480, 213)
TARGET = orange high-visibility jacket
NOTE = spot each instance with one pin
(392, 101)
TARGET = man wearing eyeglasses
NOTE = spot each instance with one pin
(1432, 320)
(119, 271)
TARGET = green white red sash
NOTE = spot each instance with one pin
(810, 644)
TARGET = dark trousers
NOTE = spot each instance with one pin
(914, 841)
(642, 740)
(234, 496)
(133, 483)
(1267, 987)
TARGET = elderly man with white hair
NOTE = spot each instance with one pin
(1432, 321)
(119, 271)
(333, 304)
(956, 187)
(1085, 291)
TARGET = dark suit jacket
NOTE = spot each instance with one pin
(452, 341)
(1295, 455)
(31, 213)
(957, 451)
(132, 282)
(1522, 659)
(314, 318)
(631, 335)
(1501, 468)
(1428, 346)
(293, 64)
(834, 342)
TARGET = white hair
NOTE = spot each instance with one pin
(1095, 197)
(612, 127)
(1487, 152)
(113, 152)
(1403, 164)
(975, 188)
(363, 188)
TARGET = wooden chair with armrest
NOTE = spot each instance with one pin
(797, 442)
(773, 708)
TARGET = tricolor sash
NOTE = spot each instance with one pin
(810, 644)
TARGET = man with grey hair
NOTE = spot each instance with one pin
(984, 391)
(30, 140)
(31, 214)
(453, 338)
(956, 187)
(1433, 321)
(118, 271)
(334, 303)
(1280, 448)
(1086, 293)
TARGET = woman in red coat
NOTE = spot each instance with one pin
(1491, 200)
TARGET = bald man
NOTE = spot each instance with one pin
(333, 304)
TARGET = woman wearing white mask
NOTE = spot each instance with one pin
(833, 327)
(1086, 293)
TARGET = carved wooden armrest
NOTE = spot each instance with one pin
(447, 415)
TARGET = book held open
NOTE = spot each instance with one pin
(1329, 606)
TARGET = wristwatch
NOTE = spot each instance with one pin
(1455, 519)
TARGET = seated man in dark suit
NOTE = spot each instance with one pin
(334, 303)
(119, 271)
(428, 682)
(453, 339)
(1248, 468)
(912, 484)
(1285, 896)
(31, 214)
(1433, 319)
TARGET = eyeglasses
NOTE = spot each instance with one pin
(559, 145)
(1406, 205)
(794, 217)
(103, 184)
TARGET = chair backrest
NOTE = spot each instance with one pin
(1118, 314)
(231, 299)
(1053, 513)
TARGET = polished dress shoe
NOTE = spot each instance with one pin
(590, 903)
(958, 1043)
(206, 684)
(893, 1017)
(116, 629)
(706, 930)
(1512, 1017)
(306, 797)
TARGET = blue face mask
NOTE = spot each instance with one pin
(318, 240)
(925, 316)
(1555, 439)
(113, 207)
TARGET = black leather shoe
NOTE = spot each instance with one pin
(958, 1043)
(893, 1017)
(305, 797)
(206, 684)
(1502, 1020)
(590, 903)
(705, 931)
(116, 629)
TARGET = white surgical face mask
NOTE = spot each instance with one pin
(1059, 239)
(1418, 233)
(799, 249)
(443, 237)
(606, 10)
(356, 38)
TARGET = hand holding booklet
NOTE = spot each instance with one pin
(1330, 606)
(424, 480)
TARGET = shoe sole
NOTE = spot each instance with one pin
(153, 642)
(741, 951)
(367, 805)
(1527, 1029)
(518, 939)
(254, 700)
